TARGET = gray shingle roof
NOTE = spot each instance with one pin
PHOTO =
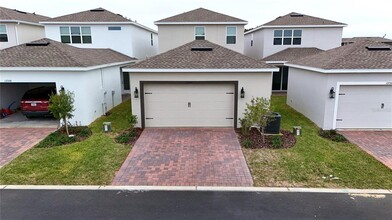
(352, 56)
(13, 14)
(93, 15)
(291, 54)
(184, 58)
(201, 15)
(57, 54)
(294, 18)
(355, 39)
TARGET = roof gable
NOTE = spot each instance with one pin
(201, 54)
(16, 15)
(50, 53)
(352, 56)
(201, 15)
(93, 15)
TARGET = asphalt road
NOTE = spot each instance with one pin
(114, 204)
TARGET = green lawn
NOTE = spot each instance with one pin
(91, 162)
(313, 158)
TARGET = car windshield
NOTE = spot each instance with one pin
(39, 93)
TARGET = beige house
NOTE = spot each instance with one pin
(201, 24)
(18, 27)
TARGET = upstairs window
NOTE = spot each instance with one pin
(287, 37)
(3, 33)
(152, 39)
(231, 35)
(200, 33)
(114, 28)
(75, 35)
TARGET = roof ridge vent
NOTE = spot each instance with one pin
(201, 49)
(97, 10)
(37, 44)
(377, 48)
(296, 15)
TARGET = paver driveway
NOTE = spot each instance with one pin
(376, 143)
(185, 157)
(15, 141)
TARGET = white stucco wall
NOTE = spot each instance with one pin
(22, 33)
(322, 38)
(255, 85)
(88, 87)
(130, 40)
(172, 36)
(308, 92)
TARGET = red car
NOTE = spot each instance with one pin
(35, 101)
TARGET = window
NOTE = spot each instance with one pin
(114, 28)
(3, 33)
(287, 37)
(152, 39)
(75, 35)
(200, 33)
(231, 36)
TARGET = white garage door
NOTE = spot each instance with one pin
(189, 105)
(365, 107)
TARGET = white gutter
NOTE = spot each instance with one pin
(21, 22)
(98, 23)
(276, 62)
(339, 70)
(294, 26)
(193, 22)
(131, 70)
(66, 69)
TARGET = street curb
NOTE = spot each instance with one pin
(199, 188)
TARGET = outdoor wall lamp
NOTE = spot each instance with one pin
(332, 93)
(136, 93)
(242, 93)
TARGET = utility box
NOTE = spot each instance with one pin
(273, 127)
(107, 127)
(297, 130)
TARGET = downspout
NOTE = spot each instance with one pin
(16, 33)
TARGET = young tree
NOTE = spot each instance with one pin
(258, 114)
(61, 105)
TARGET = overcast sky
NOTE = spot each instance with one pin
(364, 18)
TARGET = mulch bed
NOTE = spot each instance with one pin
(288, 139)
(136, 132)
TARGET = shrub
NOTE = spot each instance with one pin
(132, 120)
(247, 143)
(332, 135)
(276, 141)
(60, 137)
(126, 137)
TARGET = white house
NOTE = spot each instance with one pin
(293, 36)
(19, 27)
(201, 24)
(92, 74)
(199, 84)
(349, 87)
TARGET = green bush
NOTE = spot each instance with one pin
(276, 141)
(126, 137)
(247, 143)
(332, 135)
(60, 137)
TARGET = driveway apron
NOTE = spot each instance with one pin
(376, 143)
(185, 157)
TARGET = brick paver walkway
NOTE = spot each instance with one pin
(376, 143)
(185, 157)
(15, 141)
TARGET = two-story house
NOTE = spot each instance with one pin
(290, 37)
(201, 24)
(18, 27)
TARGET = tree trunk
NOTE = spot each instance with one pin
(262, 134)
(66, 125)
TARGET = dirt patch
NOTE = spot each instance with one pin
(254, 139)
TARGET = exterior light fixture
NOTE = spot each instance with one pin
(332, 93)
(136, 93)
(242, 93)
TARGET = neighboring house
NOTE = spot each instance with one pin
(201, 24)
(100, 28)
(92, 74)
(293, 30)
(172, 90)
(345, 87)
(19, 27)
(351, 40)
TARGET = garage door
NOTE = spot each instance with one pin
(189, 105)
(365, 107)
